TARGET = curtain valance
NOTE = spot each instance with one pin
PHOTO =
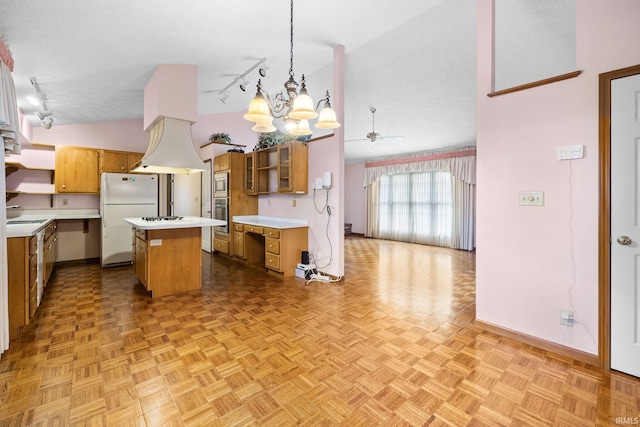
(5, 55)
(460, 163)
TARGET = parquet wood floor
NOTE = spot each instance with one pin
(394, 344)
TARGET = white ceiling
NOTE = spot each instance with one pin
(413, 60)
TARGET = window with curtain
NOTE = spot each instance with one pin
(427, 198)
(416, 207)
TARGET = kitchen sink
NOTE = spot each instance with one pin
(25, 221)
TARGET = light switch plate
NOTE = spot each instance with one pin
(531, 198)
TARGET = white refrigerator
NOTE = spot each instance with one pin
(123, 196)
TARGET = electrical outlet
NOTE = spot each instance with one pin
(566, 318)
(570, 152)
(65, 202)
(293, 203)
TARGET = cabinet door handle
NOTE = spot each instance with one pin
(64, 186)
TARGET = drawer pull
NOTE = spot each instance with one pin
(270, 246)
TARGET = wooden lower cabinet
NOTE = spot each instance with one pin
(283, 248)
(50, 250)
(22, 262)
(221, 245)
(140, 257)
(168, 261)
(277, 249)
(238, 241)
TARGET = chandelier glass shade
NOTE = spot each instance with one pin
(296, 109)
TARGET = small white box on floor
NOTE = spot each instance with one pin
(301, 273)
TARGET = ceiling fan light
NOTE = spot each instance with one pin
(327, 119)
(302, 128)
(258, 110)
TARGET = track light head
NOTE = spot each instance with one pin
(47, 122)
(244, 85)
(42, 114)
(262, 72)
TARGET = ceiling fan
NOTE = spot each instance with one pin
(373, 136)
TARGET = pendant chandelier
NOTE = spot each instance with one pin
(295, 109)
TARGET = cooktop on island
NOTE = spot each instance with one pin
(163, 218)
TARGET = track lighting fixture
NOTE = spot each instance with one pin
(263, 72)
(38, 97)
(244, 84)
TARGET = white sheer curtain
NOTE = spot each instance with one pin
(427, 199)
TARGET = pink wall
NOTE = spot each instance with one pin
(125, 135)
(355, 197)
(172, 91)
(526, 255)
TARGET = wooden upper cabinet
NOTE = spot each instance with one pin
(133, 158)
(250, 186)
(77, 170)
(118, 161)
(114, 161)
(293, 167)
(283, 168)
(222, 162)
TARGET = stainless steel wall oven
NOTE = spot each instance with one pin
(221, 212)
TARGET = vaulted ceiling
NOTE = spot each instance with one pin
(413, 60)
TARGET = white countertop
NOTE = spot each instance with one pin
(27, 230)
(186, 222)
(271, 221)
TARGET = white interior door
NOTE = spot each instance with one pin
(186, 194)
(206, 206)
(625, 225)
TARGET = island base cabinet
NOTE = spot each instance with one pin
(169, 261)
(22, 262)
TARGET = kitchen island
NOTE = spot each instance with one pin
(167, 254)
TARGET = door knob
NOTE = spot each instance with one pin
(624, 240)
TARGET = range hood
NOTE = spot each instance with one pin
(170, 108)
(170, 149)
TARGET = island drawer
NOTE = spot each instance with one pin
(238, 227)
(270, 232)
(254, 229)
(272, 261)
(272, 245)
